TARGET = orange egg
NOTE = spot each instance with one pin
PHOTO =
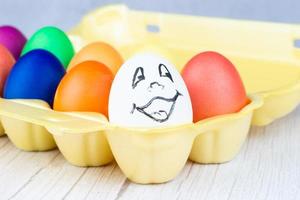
(101, 52)
(85, 87)
(6, 62)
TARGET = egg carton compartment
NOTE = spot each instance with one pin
(145, 155)
(28, 136)
(83, 148)
(265, 54)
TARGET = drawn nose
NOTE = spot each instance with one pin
(155, 85)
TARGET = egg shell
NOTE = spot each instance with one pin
(159, 50)
(36, 75)
(12, 39)
(6, 62)
(101, 52)
(214, 85)
(85, 88)
(53, 40)
(148, 91)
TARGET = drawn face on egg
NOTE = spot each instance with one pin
(148, 91)
(158, 108)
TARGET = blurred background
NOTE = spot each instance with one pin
(29, 15)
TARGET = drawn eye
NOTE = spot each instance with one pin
(138, 76)
(164, 72)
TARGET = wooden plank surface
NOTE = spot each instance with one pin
(267, 167)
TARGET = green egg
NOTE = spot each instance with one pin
(53, 40)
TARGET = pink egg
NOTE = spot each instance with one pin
(12, 39)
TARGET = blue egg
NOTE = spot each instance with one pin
(36, 75)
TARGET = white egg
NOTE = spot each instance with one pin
(148, 91)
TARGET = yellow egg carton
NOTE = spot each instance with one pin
(145, 155)
(262, 52)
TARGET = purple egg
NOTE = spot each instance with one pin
(12, 39)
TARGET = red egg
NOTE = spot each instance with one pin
(214, 85)
(6, 62)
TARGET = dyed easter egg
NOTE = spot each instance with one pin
(36, 75)
(214, 85)
(85, 88)
(6, 62)
(148, 91)
(53, 40)
(101, 52)
(12, 39)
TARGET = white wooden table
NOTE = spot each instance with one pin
(267, 167)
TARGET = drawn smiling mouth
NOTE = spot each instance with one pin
(158, 108)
